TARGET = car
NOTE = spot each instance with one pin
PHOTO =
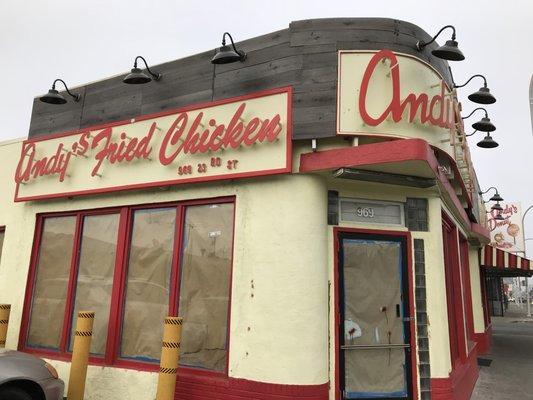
(25, 377)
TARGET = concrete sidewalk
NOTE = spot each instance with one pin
(510, 376)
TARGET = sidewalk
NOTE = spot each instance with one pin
(510, 376)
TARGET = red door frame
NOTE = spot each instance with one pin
(454, 298)
(467, 291)
(410, 278)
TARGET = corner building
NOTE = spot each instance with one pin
(311, 212)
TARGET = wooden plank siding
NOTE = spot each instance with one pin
(303, 56)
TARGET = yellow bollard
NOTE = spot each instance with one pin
(170, 355)
(5, 309)
(80, 355)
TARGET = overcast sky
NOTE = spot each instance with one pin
(84, 41)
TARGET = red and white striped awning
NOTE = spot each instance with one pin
(505, 263)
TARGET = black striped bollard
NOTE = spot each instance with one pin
(80, 355)
(5, 309)
(170, 354)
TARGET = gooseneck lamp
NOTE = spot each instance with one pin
(449, 51)
(497, 207)
(483, 95)
(499, 217)
(137, 76)
(487, 142)
(228, 54)
(484, 125)
(497, 198)
(54, 97)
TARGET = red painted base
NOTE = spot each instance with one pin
(483, 340)
(460, 384)
(205, 387)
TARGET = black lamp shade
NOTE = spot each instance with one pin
(487, 142)
(226, 55)
(499, 217)
(53, 97)
(136, 77)
(497, 207)
(484, 125)
(449, 51)
(482, 96)
(497, 198)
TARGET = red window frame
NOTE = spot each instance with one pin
(112, 353)
(454, 298)
(2, 230)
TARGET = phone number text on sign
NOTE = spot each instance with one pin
(201, 168)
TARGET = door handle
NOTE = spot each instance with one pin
(397, 310)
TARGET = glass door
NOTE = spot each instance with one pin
(374, 320)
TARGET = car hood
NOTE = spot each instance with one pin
(17, 365)
(13, 354)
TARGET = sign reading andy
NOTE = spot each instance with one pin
(387, 94)
(234, 138)
(507, 234)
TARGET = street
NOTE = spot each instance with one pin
(510, 374)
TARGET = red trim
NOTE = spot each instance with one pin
(484, 340)
(410, 277)
(467, 291)
(395, 151)
(112, 354)
(199, 387)
(460, 384)
(500, 256)
(275, 171)
(454, 295)
(512, 260)
(376, 153)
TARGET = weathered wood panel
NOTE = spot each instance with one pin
(303, 56)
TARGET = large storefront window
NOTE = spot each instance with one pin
(133, 266)
(205, 276)
(51, 282)
(148, 282)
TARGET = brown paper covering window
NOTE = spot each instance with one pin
(50, 292)
(95, 275)
(205, 285)
(147, 286)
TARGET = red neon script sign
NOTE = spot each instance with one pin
(220, 139)
(436, 110)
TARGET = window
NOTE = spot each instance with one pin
(205, 276)
(133, 266)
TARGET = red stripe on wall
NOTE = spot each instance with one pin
(513, 260)
(500, 258)
(488, 255)
(204, 387)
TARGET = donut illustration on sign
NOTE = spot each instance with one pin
(513, 230)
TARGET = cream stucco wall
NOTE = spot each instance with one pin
(278, 335)
(282, 272)
(475, 283)
(434, 265)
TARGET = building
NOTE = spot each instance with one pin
(311, 212)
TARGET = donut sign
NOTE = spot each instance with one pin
(507, 234)
(393, 95)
